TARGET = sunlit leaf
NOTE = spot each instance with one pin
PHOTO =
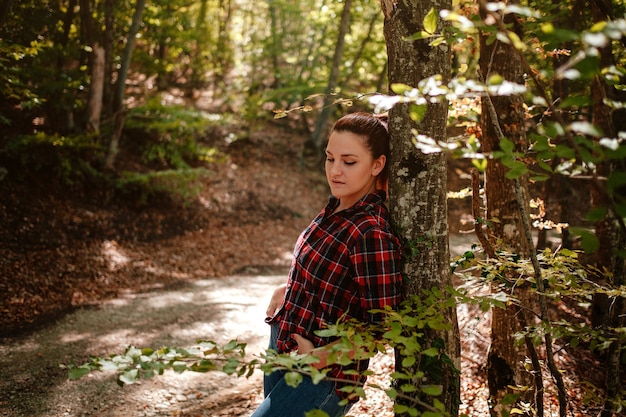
(585, 128)
(293, 379)
(610, 143)
(129, 377)
(432, 352)
(430, 21)
(316, 413)
(408, 361)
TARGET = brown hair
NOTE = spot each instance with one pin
(373, 128)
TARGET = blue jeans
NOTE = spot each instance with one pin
(281, 400)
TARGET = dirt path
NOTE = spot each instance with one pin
(33, 385)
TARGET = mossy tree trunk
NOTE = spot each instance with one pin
(418, 188)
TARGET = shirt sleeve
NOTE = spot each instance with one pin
(376, 261)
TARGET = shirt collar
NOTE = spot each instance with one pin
(377, 197)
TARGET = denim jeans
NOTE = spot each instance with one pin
(281, 400)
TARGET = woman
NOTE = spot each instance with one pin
(346, 263)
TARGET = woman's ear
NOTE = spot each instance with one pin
(379, 164)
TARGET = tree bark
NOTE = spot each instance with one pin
(5, 7)
(418, 186)
(126, 56)
(94, 106)
(505, 361)
(607, 313)
(109, 34)
(118, 100)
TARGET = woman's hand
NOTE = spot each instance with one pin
(306, 347)
(276, 301)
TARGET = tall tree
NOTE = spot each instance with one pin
(122, 74)
(607, 313)
(418, 187)
(109, 36)
(503, 116)
(4, 10)
(121, 84)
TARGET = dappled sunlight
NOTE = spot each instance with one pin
(113, 255)
(212, 309)
(73, 337)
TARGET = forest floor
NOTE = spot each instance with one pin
(81, 275)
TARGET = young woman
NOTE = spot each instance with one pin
(346, 263)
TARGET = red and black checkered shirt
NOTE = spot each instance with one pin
(345, 264)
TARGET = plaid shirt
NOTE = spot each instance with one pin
(345, 264)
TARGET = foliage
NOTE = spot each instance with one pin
(66, 158)
(181, 185)
(171, 133)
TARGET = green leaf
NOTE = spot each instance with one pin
(408, 361)
(616, 180)
(293, 379)
(179, 366)
(129, 377)
(517, 169)
(430, 21)
(509, 399)
(392, 393)
(417, 112)
(432, 390)
(316, 413)
(507, 146)
(400, 409)
(596, 214)
(432, 352)
(400, 88)
(495, 79)
(432, 414)
(422, 34)
(77, 373)
(588, 240)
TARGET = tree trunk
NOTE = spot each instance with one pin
(417, 190)
(5, 7)
(87, 34)
(94, 105)
(126, 56)
(198, 66)
(109, 35)
(607, 313)
(364, 43)
(276, 42)
(118, 100)
(224, 48)
(505, 361)
(317, 138)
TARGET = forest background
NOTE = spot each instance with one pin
(121, 102)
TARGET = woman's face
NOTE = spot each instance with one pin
(350, 168)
